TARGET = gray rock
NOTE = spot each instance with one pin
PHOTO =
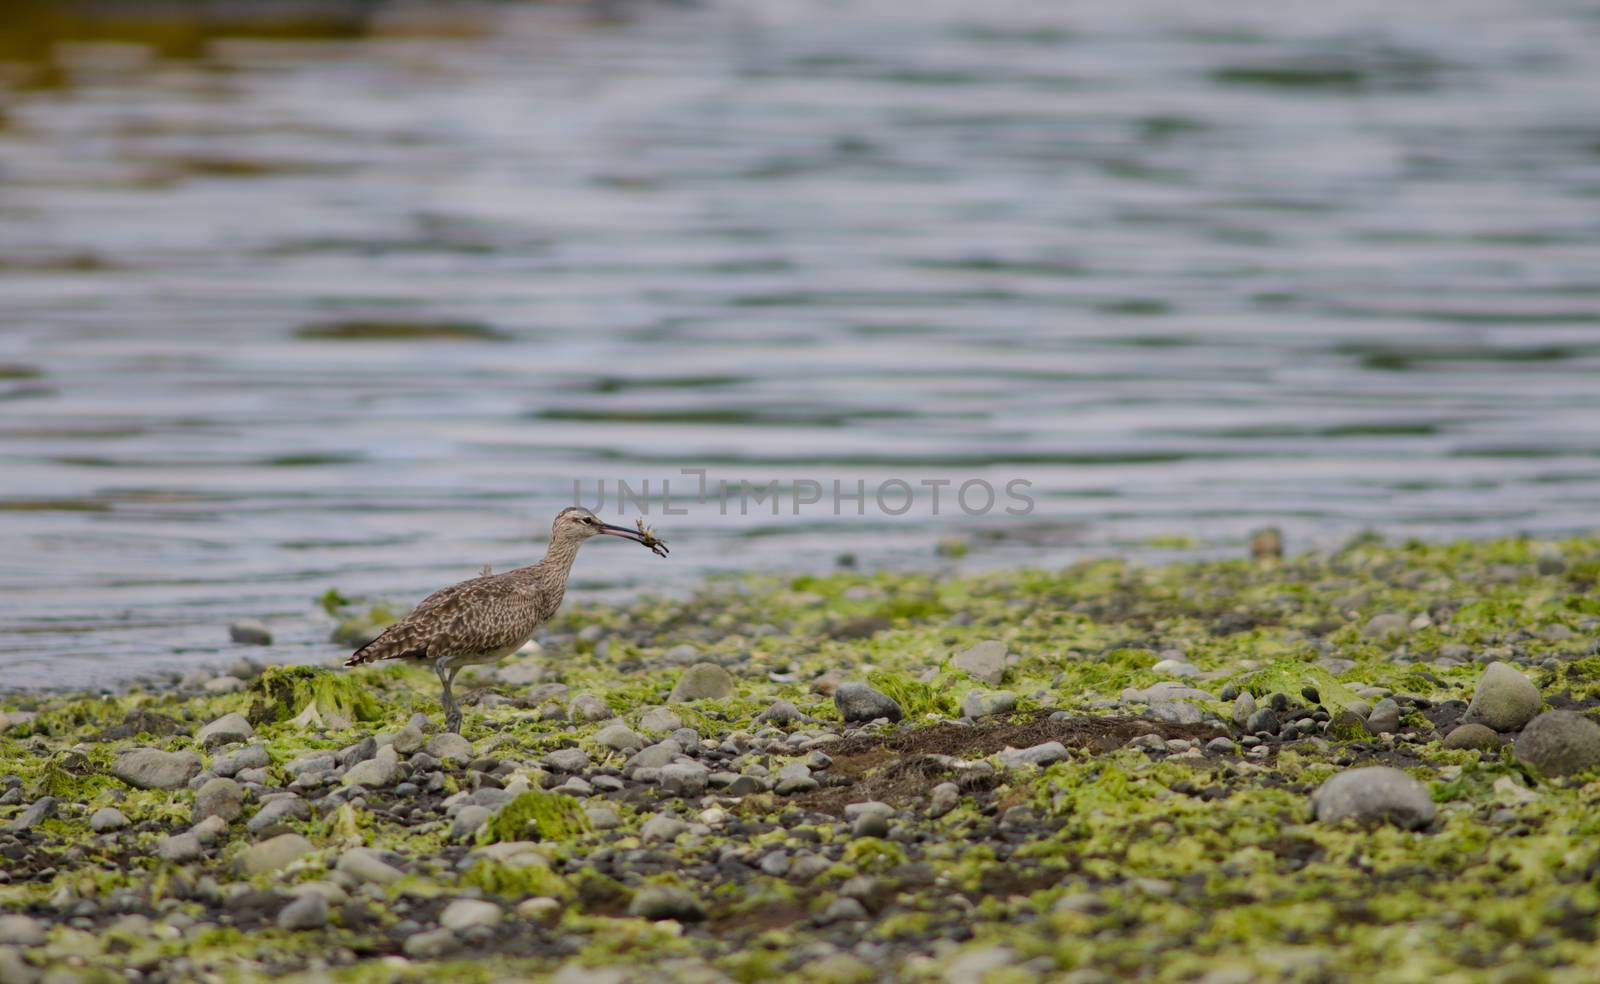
(844, 910)
(682, 655)
(944, 798)
(450, 747)
(248, 757)
(1505, 699)
(1040, 755)
(1386, 626)
(408, 740)
(661, 829)
(567, 760)
(659, 721)
(662, 753)
(618, 737)
(870, 825)
(463, 914)
(1385, 717)
(250, 632)
(1374, 794)
(270, 855)
(221, 798)
(107, 818)
(983, 703)
(1347, 725)
(210, 830)
(151, 768)
(665, 902)
(180, 848)
(278, 811)
(1264, 719)
(1176, 667)
(987, 661)
(1221, 746)
(382, 770)
(431, 944)
(39, 810)
(602, 817)
(1559, 743)
(780, 712)
(1476, 736)
(364, 864)
(1244, 707)
(588, 708)
(225, 729)
(310, 763)
(1177, 712)
(309, 911)
(859, 702)
(19, 930)
(684, 778)
(468, 820)
(702, 681)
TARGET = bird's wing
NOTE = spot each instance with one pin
(482, 615)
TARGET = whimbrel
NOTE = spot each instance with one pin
(481, 620)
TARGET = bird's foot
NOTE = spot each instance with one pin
(452, 722)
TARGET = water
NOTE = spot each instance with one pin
(1188, 269)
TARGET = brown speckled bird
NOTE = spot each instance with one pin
(481, 620)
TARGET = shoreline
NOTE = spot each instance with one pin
(1251, 769)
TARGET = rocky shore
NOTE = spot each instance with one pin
(1378, 763)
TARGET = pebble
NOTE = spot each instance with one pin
(151, 768)
(468, 820)
(19, 930)
(618, 737)
(309, 911)
(986, 661)
(463, 914)
(588, 708)
(224, 730)
(684, 778)
(1559, 743)
(659, 721)
(567, 760)
(1040, 755)
(1476, 736)
(107, 818)
(430, 944)
(870, 825)
(278, 811)
(250, 632)
(1505, 700)
(859, 702)
(702, 681)
(665, 902)
(540, 909)
(1177, 712)
(39, 810)
(210, 830)
(1244, 707)
(450, 747)
(682, 655)
(1263, 720)
(248, 757)
(366, 865)
(1373, 794)
(382, 770)
(602, 817)
(180, 848)
(408, 740)
(1176, 667)
(661, 829)
(219, 797)
(1386, 626)
(1385, 717)
(845, 910)
(983, 703)
(780, 712)
(943, 799)
(1220, 746)
(270, 855)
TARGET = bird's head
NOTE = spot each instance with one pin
(576, 524)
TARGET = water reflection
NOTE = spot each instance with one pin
(350, 294)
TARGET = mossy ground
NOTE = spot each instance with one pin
(1116, 863)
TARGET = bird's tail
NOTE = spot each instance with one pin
(395, 643)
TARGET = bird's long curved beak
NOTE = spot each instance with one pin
(607, 529)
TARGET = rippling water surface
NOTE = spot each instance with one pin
(1187, 268)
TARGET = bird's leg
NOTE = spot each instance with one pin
(452, 713)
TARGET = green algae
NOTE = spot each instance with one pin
(334, 698)
(537, 816)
